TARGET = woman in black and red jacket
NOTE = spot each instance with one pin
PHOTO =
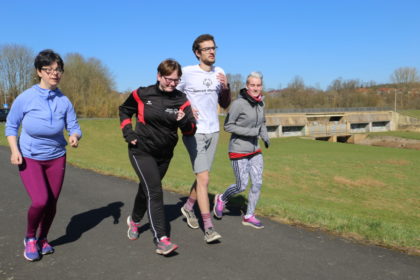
(160, 110)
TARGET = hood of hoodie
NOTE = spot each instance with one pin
(244, 93)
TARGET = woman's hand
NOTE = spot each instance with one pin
(180, 115)
(74, 140)
(16, 158)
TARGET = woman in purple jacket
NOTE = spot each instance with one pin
(43, 112)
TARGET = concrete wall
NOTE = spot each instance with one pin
(330, 124)
(402, 122)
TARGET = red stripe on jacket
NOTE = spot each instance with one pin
(125, 122)
(237, 155)
(185, 105)
(140, 107)
(182, 108)
(190, 132)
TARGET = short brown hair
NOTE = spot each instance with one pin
(46, 58)
(168, 66)
(200, 39)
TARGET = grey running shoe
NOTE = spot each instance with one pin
(211, 235)
(133, 232)
(191, 218)
(165, 246)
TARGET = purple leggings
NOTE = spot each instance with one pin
(43, 180)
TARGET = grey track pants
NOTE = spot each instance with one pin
(243, 169)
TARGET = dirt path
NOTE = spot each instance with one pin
(391, 141)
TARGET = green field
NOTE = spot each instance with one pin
(411, 113)
(371, 194)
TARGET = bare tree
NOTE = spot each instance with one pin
(297, 83)
(405, 75)
(236, 82)
(16, 70)
(336, 85)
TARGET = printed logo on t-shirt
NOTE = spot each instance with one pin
(207, 82)
(149, 102)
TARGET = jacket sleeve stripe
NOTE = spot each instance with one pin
(140, 107)
(183, 106)
(125, 122)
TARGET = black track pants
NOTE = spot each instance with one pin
(150, 171)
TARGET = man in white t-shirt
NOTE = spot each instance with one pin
(206, 87)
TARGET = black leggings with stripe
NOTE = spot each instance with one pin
(150, 171)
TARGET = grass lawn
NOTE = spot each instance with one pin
(371, 194)
(411, 113)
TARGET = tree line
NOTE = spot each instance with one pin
(91, 88)
(402, 93)
(86, 81)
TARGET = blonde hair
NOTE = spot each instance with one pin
(255, 74)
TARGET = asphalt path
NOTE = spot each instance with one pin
(89, 235)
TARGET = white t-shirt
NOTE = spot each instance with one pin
(202, 89)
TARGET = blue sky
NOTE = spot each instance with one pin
(317, 40)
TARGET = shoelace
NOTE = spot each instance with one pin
(134, 226)
(44, 244)
(31, 246)
(166, 241)
(254, 220)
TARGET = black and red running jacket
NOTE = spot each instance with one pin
(156, 126)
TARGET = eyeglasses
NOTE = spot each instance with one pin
(207, 50)
(169, 80)
(50, 71)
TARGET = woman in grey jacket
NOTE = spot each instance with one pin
(246, 122)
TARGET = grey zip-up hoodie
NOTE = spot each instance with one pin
(246, 122)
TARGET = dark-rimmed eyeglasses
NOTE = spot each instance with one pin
(50, 71)
(206, 50)
(169, 80)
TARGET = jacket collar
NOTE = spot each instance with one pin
(253, 101)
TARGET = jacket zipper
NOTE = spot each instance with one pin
(256, 123)
(49, 106)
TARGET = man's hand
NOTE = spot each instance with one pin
(223, 80)
(195, 113)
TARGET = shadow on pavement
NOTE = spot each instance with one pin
(85, 221)
(235, 207)
(172, 212)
